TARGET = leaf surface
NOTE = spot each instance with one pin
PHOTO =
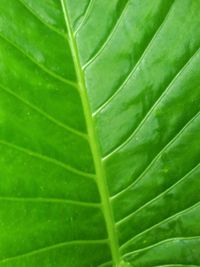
(99, 133)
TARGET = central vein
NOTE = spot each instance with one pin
(94, 144)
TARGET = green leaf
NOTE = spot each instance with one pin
(99, 133)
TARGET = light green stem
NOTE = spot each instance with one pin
(94, 144)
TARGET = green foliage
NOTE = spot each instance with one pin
(99, 133)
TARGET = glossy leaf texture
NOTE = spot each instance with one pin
(99, 133)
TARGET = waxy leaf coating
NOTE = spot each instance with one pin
(99, 133)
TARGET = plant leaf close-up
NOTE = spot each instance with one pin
(99, 133)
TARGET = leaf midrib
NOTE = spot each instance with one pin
(94, 145)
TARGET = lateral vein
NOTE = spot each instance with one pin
(55, 246)
(47, 158)
(43, 113)
(42, 67)
(50, 200)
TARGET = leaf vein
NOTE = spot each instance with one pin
(158, 196)
(46, 158)
(43, 113)
(52, 28)
(108, 38)
(55, 246)
(50, 200)
(168, 219)
(146, 50)
(177, 265)
(153, 107)
(157, 156)
(161, 243)
(46, 70)
(87, 14)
